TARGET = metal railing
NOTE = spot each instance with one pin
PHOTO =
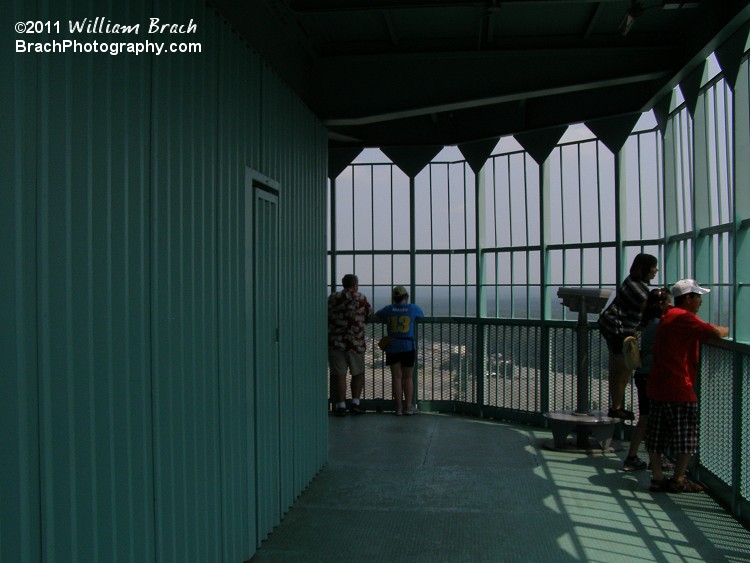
(516, 370)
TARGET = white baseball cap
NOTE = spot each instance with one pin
(683, 287)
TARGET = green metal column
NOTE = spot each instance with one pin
(412, 270)
(701, 203)
(332, 223)
(545, 214)
(670, 268)
(481, 307)
(620, 182)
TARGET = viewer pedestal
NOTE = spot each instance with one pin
(593, 429)
(593, 432)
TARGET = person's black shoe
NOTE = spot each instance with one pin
(340, 411)
(633, 464)
(356, 409)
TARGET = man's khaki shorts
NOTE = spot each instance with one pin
(340, 360)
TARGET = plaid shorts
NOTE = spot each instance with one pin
(673, 427)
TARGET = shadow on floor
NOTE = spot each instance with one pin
(438, 487)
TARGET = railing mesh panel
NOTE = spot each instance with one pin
(716, 412)
(563, 359)
(744, 420)
(512, 377)
(599, 376)
(446, 363)
(447, 360)
(562, 365)
(377, 374)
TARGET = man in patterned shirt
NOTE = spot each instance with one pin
(348, 312)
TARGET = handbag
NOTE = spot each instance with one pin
(631, 352)
(384, 342)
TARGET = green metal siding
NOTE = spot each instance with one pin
(93, 257)
(239, 98)
(186, 385)
(20, 521)
(127, 383)
(302, 438)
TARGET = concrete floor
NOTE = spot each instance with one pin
(447, 488)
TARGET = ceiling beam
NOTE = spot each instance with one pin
(494, 100)
(391, 28)
(592, 22)
(331, 6)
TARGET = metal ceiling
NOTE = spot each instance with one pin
(442, 72)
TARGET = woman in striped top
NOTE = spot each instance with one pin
(620, 320)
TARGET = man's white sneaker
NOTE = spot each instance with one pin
(411, 409)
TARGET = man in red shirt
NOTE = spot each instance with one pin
(348, 312)
(673, 419)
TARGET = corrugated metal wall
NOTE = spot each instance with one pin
(283, 117)
(128, 428)
(20, 518)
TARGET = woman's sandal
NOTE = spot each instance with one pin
(684, 486)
